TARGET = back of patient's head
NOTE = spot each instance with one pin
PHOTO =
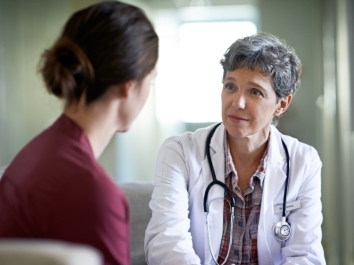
(105, 44)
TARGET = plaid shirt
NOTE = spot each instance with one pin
(247, 211)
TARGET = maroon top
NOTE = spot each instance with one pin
(55, 189)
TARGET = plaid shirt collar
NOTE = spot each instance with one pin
(230, 167)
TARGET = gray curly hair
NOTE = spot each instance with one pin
(269, 55)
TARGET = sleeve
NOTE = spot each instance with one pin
(167, 237)
(304, 246)
(93, 211)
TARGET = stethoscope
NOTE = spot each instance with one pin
(281, 229)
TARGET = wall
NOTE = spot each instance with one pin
(26, 29)
(299, 23)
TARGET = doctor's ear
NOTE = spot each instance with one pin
(283, 104)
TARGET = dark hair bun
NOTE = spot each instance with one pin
(102, 45)
(66, 70)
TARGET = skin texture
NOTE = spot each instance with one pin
(249, 103)
(113, 112)
(136, 98)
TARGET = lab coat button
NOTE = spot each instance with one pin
(240, 223)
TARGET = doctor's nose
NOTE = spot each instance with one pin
(239, 101)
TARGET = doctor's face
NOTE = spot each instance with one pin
(249, 103)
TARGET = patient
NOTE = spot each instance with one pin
(101, 66)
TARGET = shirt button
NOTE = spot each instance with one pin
(240, 223)
(236, 252)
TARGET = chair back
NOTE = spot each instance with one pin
(47, 252)
(138, 196)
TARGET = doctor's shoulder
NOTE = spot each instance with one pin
(302, 153)
(187, 148)
(190, 144)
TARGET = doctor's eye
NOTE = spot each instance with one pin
(229, 86)
(256, 92)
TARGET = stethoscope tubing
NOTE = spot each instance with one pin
(232, 215)
(215, 181)
(287, 177)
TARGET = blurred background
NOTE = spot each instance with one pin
(194, 34)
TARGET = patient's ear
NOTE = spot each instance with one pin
(283, 105)
(122, 90)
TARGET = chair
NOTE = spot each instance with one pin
(47, 252)
(138, 196)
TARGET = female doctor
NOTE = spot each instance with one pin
(219, 193)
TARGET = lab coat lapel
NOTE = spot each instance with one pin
(215, 216)
(272, 187)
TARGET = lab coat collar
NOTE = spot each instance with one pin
(217, 141)
(276, 159)
(214, 217)
(273, 182)
(277, 152)
(275, 174)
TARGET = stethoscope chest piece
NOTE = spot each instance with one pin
(282, 231)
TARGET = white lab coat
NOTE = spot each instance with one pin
(177, 232)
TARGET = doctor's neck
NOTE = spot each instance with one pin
(249, 149)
